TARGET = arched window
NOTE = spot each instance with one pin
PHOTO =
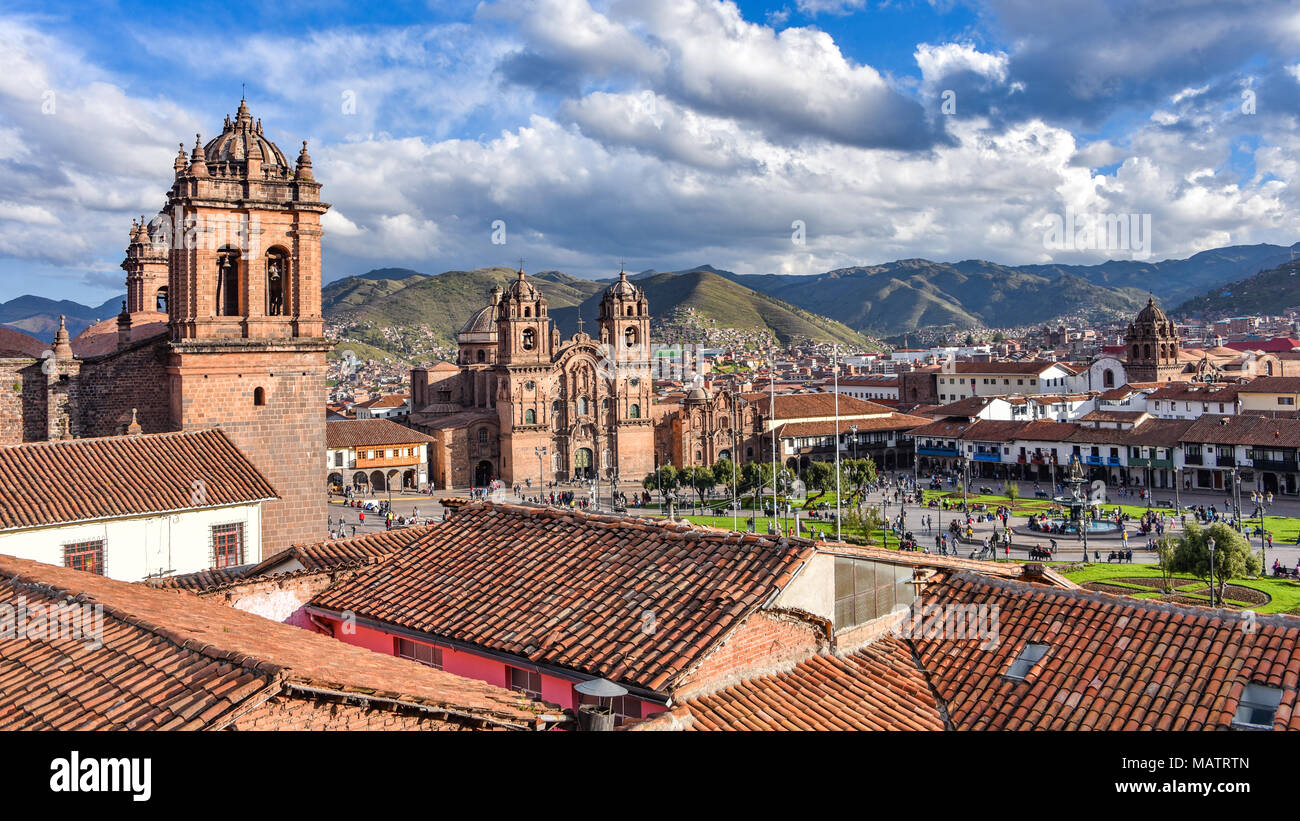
(1146, 351)
(1135, 351)
(629, 310)
(1108, 378)
(481, 356)
(228, 265)
(604, 404)
(277, 272)
(582, 406)
(529, 339)
(528, 312)
(482, 436)
(259, 396)
(160, 300)
(530, 417)
(634, 412)
(630, 336)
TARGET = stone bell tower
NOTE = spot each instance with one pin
(248, 348)
(625, 333)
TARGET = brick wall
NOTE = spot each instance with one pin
(110, 386)
(214, 386)
(767, 642)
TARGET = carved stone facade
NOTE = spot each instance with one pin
(517, 389)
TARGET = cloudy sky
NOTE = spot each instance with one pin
(667, 133)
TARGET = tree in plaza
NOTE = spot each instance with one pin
(860, 473)
(1233, 557)
(755, 476)
(699, 479)
(724, 470)
(1166, 558)
(1013, 490)
(819, 476)
(665, 478)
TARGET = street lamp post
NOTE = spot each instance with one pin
(853, 429)
(1213, 592)
(540, 450)
(1262, 502)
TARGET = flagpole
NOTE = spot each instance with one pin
(835, 369)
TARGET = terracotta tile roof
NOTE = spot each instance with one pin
(965, 408)
(170, 660)
(942, 428)
(992, 430)
(813, 405)
(200, 579)
(1246, 429)
(46, 483)
(370, 432)
(879, 687)
(826, 427)
(1159, 432)
(1271, 384)
(390, 401)
(571, 589)
(1191, 392)
(1046, 430)
(326, 555)
(1112, 416)
(1113, 663)
(18, 345)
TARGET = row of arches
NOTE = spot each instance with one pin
(378, 480)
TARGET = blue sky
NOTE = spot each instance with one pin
(668, 133)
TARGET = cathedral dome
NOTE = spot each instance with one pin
(522, 290)
(622, 288)
(1152, 314)
(483, 321)
(242, 139)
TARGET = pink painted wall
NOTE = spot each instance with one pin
(555, 689)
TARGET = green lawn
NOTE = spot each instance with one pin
(1285, 593)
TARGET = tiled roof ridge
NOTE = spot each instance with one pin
(928, 677)
(170, 434)
(287, 575)
(1281, 620)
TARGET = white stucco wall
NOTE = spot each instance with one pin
(136, 547)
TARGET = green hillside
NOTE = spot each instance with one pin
(442, 303)
(909, 294)
(734, 305)
(1268, 292)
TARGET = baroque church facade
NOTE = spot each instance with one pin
(222, 328)
(524, 406)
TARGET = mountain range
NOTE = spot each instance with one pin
(846, 305)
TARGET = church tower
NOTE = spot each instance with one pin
(247, 347)
(1153, 345)
(524, 378)
(146, 270)
(625, 336)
